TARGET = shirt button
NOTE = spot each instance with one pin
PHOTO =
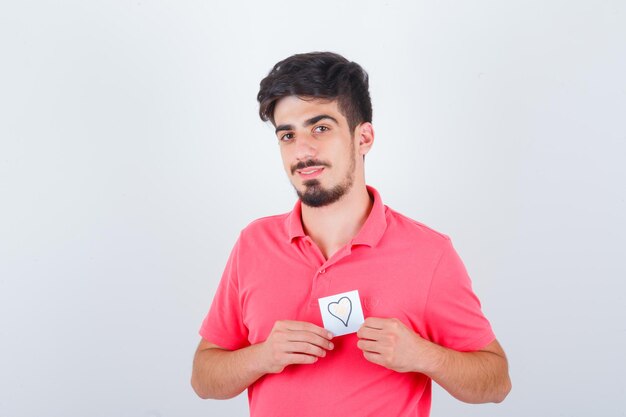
(322, 271)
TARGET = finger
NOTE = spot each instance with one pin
(308, 327)
(373, 357)
(368, 346)
(368, 333)
(306, 348)
(375, 323)
(300, 359)
(308, 337)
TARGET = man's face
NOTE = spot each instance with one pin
(317, 149)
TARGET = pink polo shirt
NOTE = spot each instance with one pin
(401, 269)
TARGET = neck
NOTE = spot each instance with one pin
(332, 227)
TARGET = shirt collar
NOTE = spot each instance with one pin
(294, 222)
(370, 234)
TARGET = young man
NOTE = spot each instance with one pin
(264, 331)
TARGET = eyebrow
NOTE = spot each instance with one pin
(307, 122)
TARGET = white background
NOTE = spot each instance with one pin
(131, 155)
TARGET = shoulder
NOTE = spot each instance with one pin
(266, 227)
(413, 230)
(268, 221)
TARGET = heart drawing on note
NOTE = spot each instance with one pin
(341, 309)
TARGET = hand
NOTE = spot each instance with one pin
(294, 342)
(389, 343)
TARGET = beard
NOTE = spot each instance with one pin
(314, 195)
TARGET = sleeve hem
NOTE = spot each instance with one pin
(478, 343)
(220, 341)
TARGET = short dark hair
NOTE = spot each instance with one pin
(323, 75)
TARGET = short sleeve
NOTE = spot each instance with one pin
(224, 325)
(453, 315)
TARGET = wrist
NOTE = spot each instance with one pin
(256, 365)
(433, 359)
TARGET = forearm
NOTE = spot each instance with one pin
(222, 374)
(472, 377)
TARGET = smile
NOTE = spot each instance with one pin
(310, 172)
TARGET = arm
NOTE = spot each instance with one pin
(473, 377)
(220, 373)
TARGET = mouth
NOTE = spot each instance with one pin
(310, 172)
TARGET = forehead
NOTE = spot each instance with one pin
(296, 110)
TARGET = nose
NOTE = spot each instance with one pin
(306, 147)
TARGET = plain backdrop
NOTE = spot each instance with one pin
(131, 155)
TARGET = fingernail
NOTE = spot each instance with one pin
(330, 335)
(331, 345)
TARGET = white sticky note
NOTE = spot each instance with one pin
(342, 313)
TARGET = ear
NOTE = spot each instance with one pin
(365, 134)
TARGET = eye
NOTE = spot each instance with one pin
(320, 129)
(286, 137)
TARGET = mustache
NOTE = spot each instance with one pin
(308, 163)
